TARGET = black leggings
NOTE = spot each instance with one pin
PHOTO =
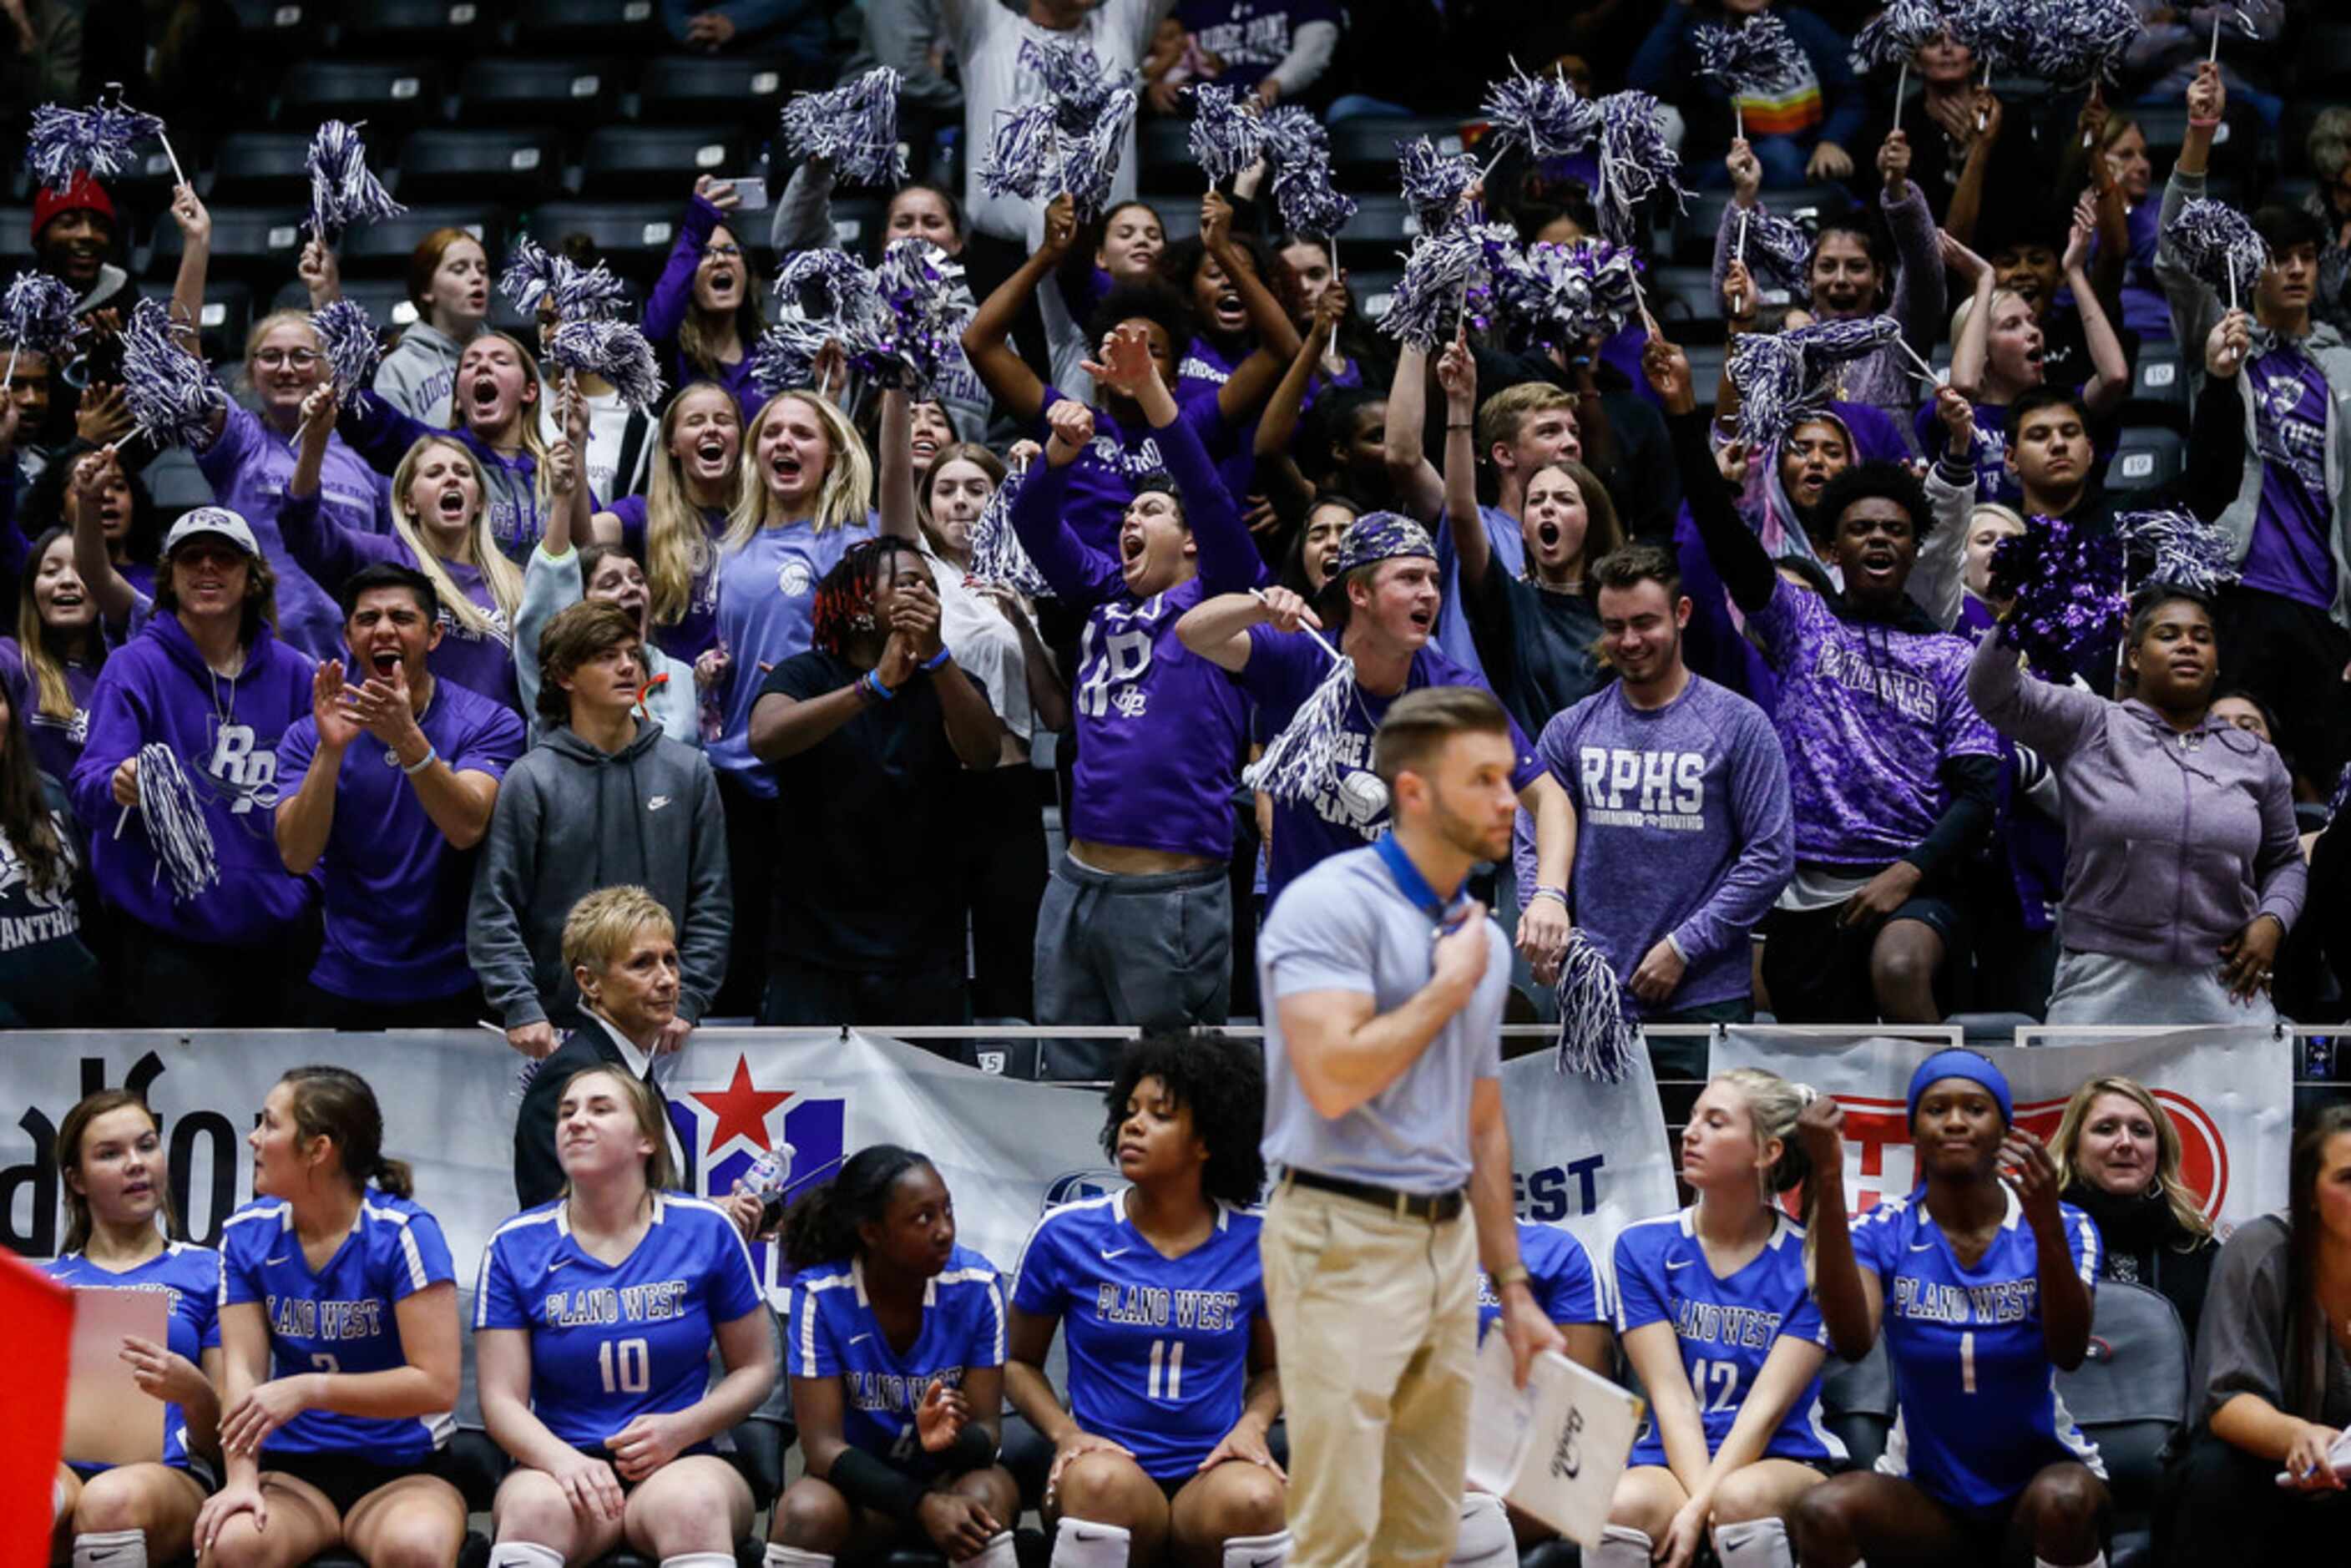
(1003, 870)
(2222, 1504)
(751, 859)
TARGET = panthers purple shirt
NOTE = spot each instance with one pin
(1103, 478)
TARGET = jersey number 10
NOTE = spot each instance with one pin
(626, 1364)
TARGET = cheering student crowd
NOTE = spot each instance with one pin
(456, 649)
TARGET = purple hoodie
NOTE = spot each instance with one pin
(56, 742)
(158, 689)
(673, 296)
(248, 465)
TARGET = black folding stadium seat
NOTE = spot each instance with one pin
(632, 25)
(701, 88)
(258, 245)
(2146, 458)
(385, 300)
(857, 223)
(1363, 152)
(2324, 56)
(441, 28)
(445, 164)
(2158, 390)
(1162, 149)
(1683, 298)
(390, 95)
(176, 482)
(16, 236)
(282, 29)
(382, 249)
(2129, 1396)
(1374, 291)
(622, 162)
(634, 236)
(1382, 227)
(573, 92)
(227, 314)
(262, 166)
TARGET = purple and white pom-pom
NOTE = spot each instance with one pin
(2078, 43)
(177, 829)
(1309, 203)
(1779, 249)
(1998, 33)
(1302, 761)
(1635, 162)
(1440, 274)
(923, 288)
(1434, 183)
(2067, 580)
(578, 292)
(342, 191)
(1892, 39)
(1091, 160)
(1615, 273)
(1225, 137)
(172, 396)
(1772, 378)
(823, 296)
(1024, 154)
(996, 555)
(1293, 136)
(64, 142)
(2188, 551)
(617, 350)
(1544, 291)
(1075, 79)
(36, 314)
(348, 337)
(1541, 114)
(2219, 246)
(1756, 57)
(1597, 1036)
(1827, 343)
(852, 127)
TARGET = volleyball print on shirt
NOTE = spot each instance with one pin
(1158, 1347)
(612, 1342)
(340, 1317)
(1979, 1411)
(833, 1333)
(189, 1276)
(1726, 1326)
(1559, 1272)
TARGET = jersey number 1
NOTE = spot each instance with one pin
(626, 1364)
(1167, 1361)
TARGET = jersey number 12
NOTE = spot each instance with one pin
(626, 1364)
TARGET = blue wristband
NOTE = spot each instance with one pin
(936, 660)
(872, 683)
(432, 754)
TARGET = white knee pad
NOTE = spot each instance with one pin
(525, 1555)
(1257, 1550)
(700, 1559)
(1622, 1546)
(1754, 1544)
(2097, 1561)
(1083, 1543)
(1484, 1540)
(113, 1548)
(780, 1557)
(997, 1554)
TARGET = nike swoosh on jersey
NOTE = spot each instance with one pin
(559, 1263)
(279, 1259)
(1679, 1263)
(1108, 1254)
(656, 802)
(1922, 1246)
(860, 1338)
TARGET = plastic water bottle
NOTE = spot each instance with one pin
(770, 1174)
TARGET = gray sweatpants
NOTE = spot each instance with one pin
(1155, 952)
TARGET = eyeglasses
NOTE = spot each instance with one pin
(722, 253)
(273, 359)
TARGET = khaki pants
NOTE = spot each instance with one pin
(1375, 1318)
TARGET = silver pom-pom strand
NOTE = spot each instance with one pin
(852, 127)
(172, 396)
(1302, 761)
(347, 339)
(1597, 1039)
(177, 829)
(534, 274)
(996, 555)
(1432, 297)
(2219, 246)
(37, 317)
(924, 289)
(823, 296)
(617, 350)
(96, 141)
(1226, 138)
(1635, 162)
(1434, 185)
(1758, 55)
(342, 190)
(2187, 552)
(1075, 79)
(1309, 203)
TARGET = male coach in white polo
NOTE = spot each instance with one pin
(1383, 1109)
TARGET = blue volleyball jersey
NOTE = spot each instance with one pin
(1978, 1413)
(1727, 1327)
(1158, 1346)
(1560, 1273)
(342, 1317)
(189, 1278)
(612, 1342)
(834, 1335)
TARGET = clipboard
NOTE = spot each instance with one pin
(1555, 1449)
(110, 1419)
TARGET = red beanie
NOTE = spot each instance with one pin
(81, 194)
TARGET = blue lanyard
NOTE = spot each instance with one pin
(1444, 912)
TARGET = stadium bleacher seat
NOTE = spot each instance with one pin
(1179, 220)
(261, 166)
(1163, 153)
(624, 162)
(176, 482)
(1383, 228)
(1683, 298)
(385, 300)
(697, 87)
(1373, 291)
(2158, 392)
(443, 27)
(2130, 1398)
(567, 92)
(1363, 152)
(1694, 227)
(2146, 459)
(1858, 1403)
(2324, 52)
(282, 29)
(634, 236)
(382, 249)
(390, 95)
(483, 164)
(259, 245)
(858, 223)
(227, 314)
(630, 25)
(16, 236)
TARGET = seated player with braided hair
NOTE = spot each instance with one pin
(1172, 1380)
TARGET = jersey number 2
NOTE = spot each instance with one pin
(626, 1364)
(1167, 1365)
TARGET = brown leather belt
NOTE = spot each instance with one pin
(1435, 1206)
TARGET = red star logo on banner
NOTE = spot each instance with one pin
(742, 1110)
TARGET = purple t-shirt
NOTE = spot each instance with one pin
(1251, 37)
(766, 610)
(1867, 715)
(396, 889)
(1682, 828)
(2291, 554)
(1103, 477)
(697, 629)
(248, 467)
(56, 742)
(1282, 672)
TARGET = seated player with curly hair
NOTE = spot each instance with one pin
(1172, 1380)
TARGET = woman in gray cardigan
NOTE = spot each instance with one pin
(2182, 868)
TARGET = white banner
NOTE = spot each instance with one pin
(1589, 1156)
(2228, 1093)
